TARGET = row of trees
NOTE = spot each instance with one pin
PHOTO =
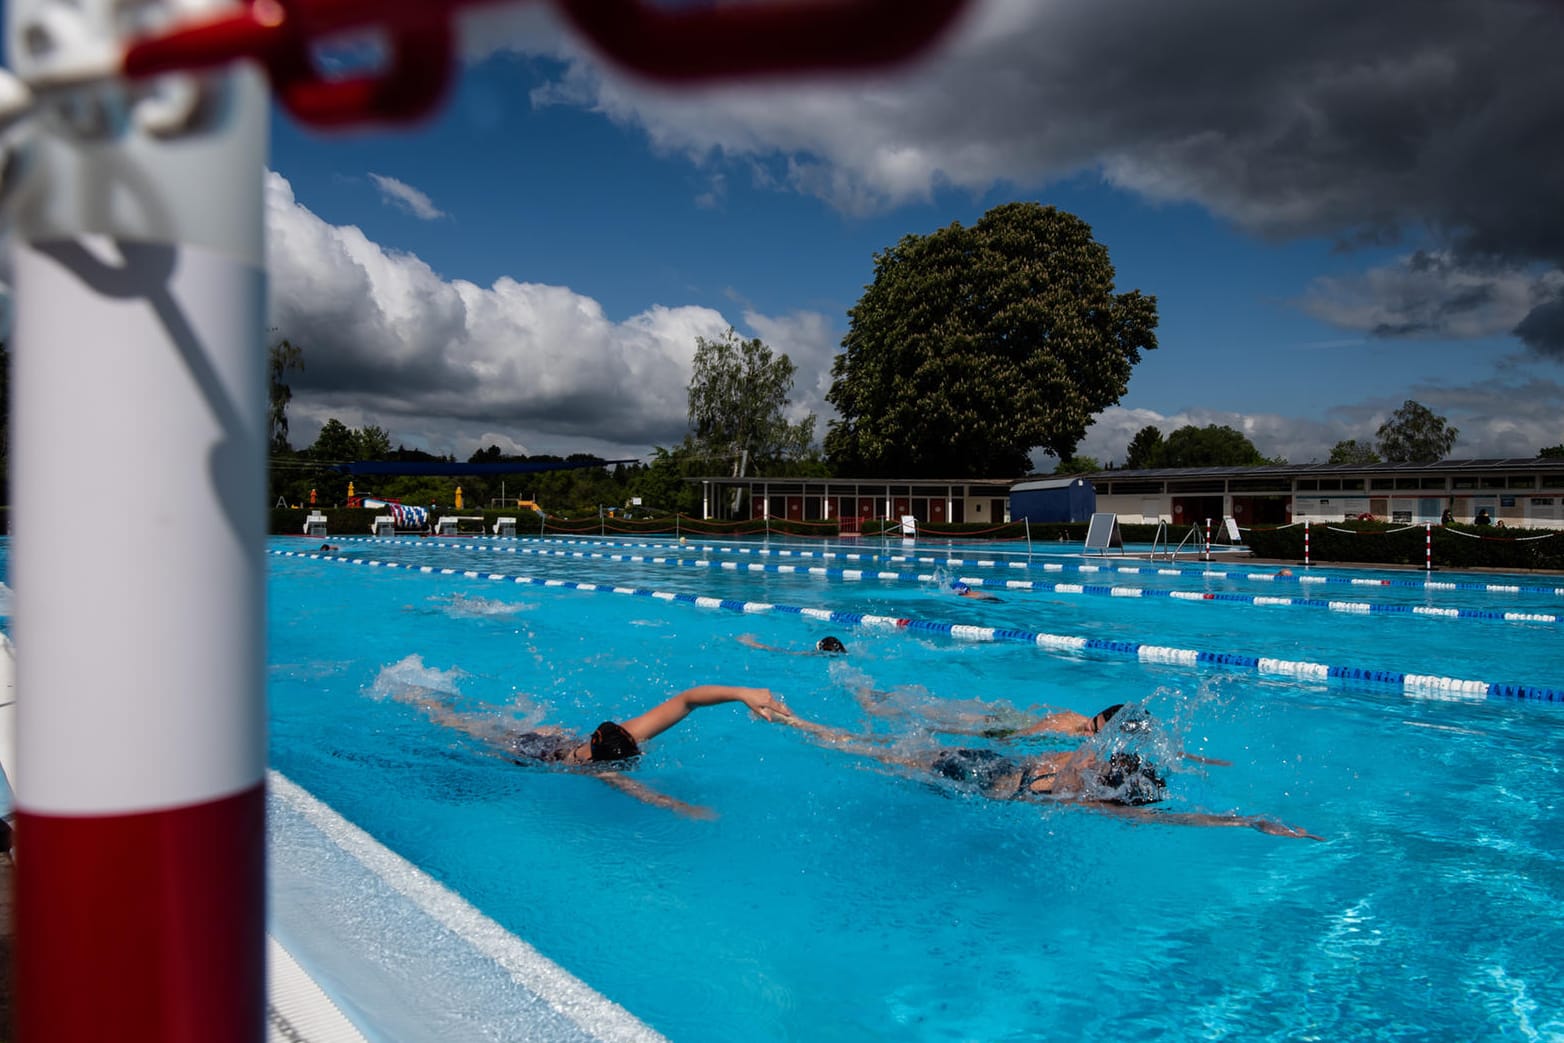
(1412, 434)
(971, 348)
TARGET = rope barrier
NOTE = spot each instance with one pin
(1095, 590)
(1414, 685)
(1201, 573)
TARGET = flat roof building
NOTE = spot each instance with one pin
(1523, 492)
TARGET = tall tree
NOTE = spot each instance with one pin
(337, 443)
(1352, 451)
(974, 346)
(1415, 434)
(738, 392)
(1078, 465)
(373, 442)
(1210, 446)
(1145, 449)
(281, 357)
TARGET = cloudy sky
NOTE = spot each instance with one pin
(1339, 206)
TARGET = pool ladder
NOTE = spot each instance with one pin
(1164, 540)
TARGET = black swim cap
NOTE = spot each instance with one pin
(830, 644)
(610, 742)
(1132, 780)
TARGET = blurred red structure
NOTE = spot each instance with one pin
(676, 45)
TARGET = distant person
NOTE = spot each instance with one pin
(611, 745)
(1123, 784)
(1447, 518)
(1482, 518)
(827, 645)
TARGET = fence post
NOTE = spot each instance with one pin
(140, 299)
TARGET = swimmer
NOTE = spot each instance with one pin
(962, 590)
(1124, 784)
(610, 745)
(1284, 572)
(1002, 722)
(827, 645)
(326, 548)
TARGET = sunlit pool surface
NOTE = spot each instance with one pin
(830, 899)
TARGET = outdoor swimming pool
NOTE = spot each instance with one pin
(833, 900)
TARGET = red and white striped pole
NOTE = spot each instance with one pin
(1208, 539)
(1428, 547)
(139, 626)
(1305, 544)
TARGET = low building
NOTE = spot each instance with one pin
(941, 501)
(1517, 492)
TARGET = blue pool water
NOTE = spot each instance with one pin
(832, 900)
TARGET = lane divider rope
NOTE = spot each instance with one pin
(1304, 579)
(1090, 590)
(1426, 686)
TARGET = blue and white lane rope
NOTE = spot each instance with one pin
(853, 575)
(1426, 686)
(1304, 579)
(1086, 567)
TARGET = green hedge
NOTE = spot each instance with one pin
(1378, 543)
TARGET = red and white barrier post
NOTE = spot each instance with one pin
(1208, 539)
(1305, 544)
(139, 625)
(1428, 547)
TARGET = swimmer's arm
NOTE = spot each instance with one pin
(1061, 722)
(669, 713)
(646, 795)
(1212, 761)
(754, 642)
(1198, 818)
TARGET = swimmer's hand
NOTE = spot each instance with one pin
(767, 706)
(1277, 829)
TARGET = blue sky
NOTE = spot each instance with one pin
(1339, 206)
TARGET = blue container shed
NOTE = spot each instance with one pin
(1053, 500)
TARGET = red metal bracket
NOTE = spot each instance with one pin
(687, 45)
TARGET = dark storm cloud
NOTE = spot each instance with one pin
(1369, 122)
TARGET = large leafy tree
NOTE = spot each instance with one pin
(974, 346)
(738, 393)
(1211, 446)
(1415, 434)
(1352, 451)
